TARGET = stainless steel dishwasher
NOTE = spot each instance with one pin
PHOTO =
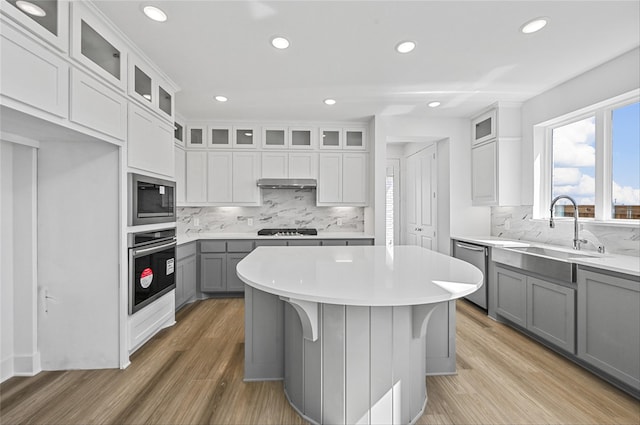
(476, 255)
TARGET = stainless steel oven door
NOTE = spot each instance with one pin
(151, 273)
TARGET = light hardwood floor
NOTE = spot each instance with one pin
(192, 374)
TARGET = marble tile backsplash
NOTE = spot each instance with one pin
(616, 239)
(280, 208)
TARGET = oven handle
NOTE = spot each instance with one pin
(137, 252)
(470, 247)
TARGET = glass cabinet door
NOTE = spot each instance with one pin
(196, 137)
(354, 139)
(274, 138)
(49, 19)
(164, 101)
(330, 138)
(178, 133)
(98, 47)
(300, 138)
(142, 84)
(219, 136)
(244, 137)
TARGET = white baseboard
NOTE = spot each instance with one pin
(20, 366)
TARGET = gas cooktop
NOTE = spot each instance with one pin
(288, 232)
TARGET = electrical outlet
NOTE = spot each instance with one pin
(196, 221)
(507, 224)
(249, 222)
(339, 222)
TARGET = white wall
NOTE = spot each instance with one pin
(78, 254)
(616, 77)
(454, 173)
(6, 257)
(19, 350)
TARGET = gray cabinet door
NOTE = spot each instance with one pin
(360, 242)
(608, 318)
(189, 276)
(334, 242)
(213, 272)
(551, 312)
(234, 284)
(511, 288)
(303, 242)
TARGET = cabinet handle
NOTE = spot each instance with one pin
(469, 247)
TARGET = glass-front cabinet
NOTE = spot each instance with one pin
(147, 88)
(178, 133)
(95, 46)
(354, 138)
(275, 137)
(330, 138)
(244, 136)
(219, 136)
(48, 19)
(196, 137)
(301, 138)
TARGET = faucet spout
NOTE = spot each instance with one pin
(576, 239)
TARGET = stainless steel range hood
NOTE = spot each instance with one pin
(287, 183)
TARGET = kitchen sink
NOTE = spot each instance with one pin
(553, 253)
(552, 263)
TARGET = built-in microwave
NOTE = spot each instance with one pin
(151, 200)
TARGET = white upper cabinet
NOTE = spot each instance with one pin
(149, 89)
(354, 139)
(298, 165)
(275, 137)
(483, 127)
(330, 138)
(245, 137)
(342, 179)
(46, 84)
(301, 138)
(196, 136)
(95, 105)
(96, 46)
(150, 143)
(495, 156)
(178, 133)
(181, 175)
(351, 138)
(53, 27)
(245, 173)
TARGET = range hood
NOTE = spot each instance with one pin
(287, 183)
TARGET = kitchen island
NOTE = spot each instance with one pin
(350, 343)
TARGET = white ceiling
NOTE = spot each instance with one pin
(469, 54)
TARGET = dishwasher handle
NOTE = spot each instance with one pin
(470, 247)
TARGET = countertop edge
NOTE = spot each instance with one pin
(625, 264)
(183, 239)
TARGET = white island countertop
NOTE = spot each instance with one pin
(359, 275)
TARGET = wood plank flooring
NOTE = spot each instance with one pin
(192, 374)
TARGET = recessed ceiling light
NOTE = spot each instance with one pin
(534, 25)
(221, 98)
(434, 104)
(329, 101)
(30, 8)
(280, 42)
(154, 13)
(405, 46)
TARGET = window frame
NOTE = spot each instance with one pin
(543, 133)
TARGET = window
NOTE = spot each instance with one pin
(625, 168)
(592, 156)
(574, 166)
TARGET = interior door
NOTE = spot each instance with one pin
(421, 188)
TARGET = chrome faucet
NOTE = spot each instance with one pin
(576, 240)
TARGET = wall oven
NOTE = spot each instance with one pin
(151, 266)
(151, 200)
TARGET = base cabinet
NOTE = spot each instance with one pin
(608, 318)
(186, 274)
(511, 296)
(544, 308)
(213, 272)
